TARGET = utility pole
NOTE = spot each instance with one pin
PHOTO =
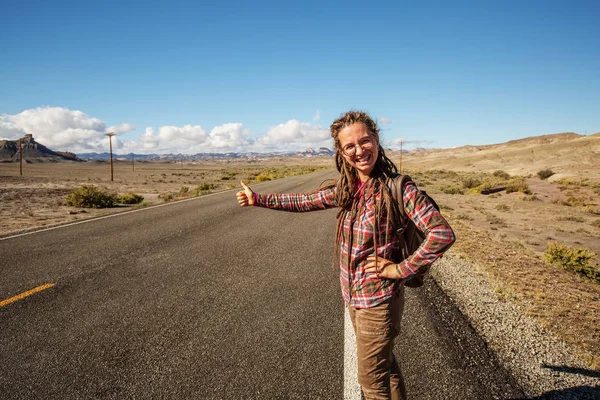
(132, 164)
(401, 141)
(21, 157)
(110, 135)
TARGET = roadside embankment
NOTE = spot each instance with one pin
(541, 363)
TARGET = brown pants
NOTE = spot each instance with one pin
(376, 328)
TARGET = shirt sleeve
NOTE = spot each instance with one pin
(321, 199)
(439, 236)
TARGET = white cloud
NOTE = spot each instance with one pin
(119, 129)
(385, 120)
(9, 129)
(60, 129)
(317, 116)
(67, 130)
(191, 139)
(229, 136)
(295, 135)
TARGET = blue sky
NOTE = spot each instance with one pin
(249, 76)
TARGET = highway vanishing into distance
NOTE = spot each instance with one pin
(203, 299)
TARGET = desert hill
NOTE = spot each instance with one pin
(32, 151)
(567, 154)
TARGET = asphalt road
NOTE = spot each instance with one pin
(204, 299)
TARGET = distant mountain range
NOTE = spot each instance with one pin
(37, 152)
(321, 152)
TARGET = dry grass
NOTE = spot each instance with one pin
(37, 199)
(507, 236)
(562, 302)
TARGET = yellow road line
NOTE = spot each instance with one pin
(25, 294)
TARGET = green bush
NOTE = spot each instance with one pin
(577, 260)
(501, 174)
(451, 190)
(130, 198)
(545, 173)
(183, 191)
(262, 177)
(470, 182)
(89, 196)
(202, 189)
(573, 218)
(518, 185)
(228, 175)
(166, 197)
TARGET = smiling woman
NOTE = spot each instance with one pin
(368, 249)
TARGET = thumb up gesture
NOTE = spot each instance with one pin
(245, 197)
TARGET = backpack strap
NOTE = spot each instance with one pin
(399, 218)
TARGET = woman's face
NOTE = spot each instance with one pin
(359, 148)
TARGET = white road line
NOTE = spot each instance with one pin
(351, 386)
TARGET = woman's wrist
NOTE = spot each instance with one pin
(398, 271)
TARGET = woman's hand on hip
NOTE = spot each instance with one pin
(382, 267)
(245, 197)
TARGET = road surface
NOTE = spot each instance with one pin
(204, 299)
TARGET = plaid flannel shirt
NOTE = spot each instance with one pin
(361, 289)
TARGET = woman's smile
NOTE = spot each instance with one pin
(359, 148)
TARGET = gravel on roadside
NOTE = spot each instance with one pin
(544, 365)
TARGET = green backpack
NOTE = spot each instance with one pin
(405, 228)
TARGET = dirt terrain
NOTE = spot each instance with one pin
(504, 233)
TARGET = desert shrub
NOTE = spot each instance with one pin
(501, 174)
(183, 191)
(591, 209)
(502, 207)
(465, 217)
(441, 174)
(577, 260)
(205, 186)
(263, 177)
(597, 190)
(89, 196)
(595, 223)
(573, 218)
(202, 189)
(573, 201)
(530, 197)
(228, 175)
(470, 182)
(567, 182)
(545, 173)
(130, 198)
(494, 220)
(518, 185)
(451, 190)
(168, 196)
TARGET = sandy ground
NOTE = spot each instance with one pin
(37, 198)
